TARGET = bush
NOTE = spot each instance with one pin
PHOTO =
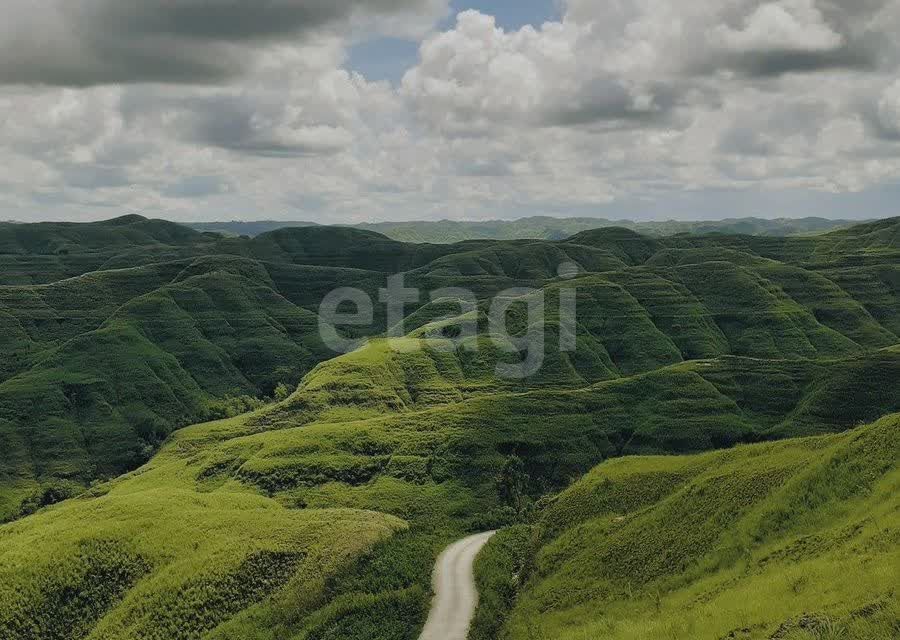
(48, 495)
(282, 392)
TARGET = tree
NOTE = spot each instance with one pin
(513, 483)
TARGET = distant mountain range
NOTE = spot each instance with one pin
(543, 228)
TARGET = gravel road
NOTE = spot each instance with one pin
(455, 593)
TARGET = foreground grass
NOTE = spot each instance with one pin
(151, 556)
(799, 539)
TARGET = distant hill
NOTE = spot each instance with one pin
(544, 228)
(48, 251)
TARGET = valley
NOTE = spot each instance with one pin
(182, 455)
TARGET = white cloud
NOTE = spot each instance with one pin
(618, 104)
(788, 25)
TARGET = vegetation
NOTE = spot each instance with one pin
(790, 540)
(315, 503)
(500, 571)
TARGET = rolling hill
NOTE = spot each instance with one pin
(542, 228)
(203, 335)
(744, 362)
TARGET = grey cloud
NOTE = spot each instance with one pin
(89, 42)
(198, 187)
(878, 126)
(256, 128)
(761, 133)
(607, 99)
(484, 168)
(305, 202)
(259, 124)
(115, 61)
(94, 177)
(777, 63)
(746, 142)
(762, 39)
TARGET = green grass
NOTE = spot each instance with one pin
(213, 511)
(500, 571)
(191, 549)
(320, 516)
(752, 542)
(46, 252)
(97, 404)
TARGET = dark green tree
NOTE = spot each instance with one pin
(513, 484)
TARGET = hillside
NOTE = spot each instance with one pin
(419, 446)
(212, 333)
(319, 513)
(46, 252)
(790, 540)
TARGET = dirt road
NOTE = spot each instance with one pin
(455, 594)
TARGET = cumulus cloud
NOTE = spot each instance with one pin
(789, 25)
(478, 76)
(786, 37)
(242, 124)
(634, 62)
(88, 42)
(231, 108)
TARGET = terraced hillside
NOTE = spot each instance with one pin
(319, 515)
(238, 317)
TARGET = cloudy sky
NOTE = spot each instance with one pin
(357, 110)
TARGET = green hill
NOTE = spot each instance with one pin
(410, 434)
(542, 228)
(790, 540)
(217, 329)
(46, 252)
(320, 515)
(96, 404)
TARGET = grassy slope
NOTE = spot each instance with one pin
(404, 434)
(92, 404)
(797, 539)
(211, 326)
(156, 556)
(421, 435)
(46, 252)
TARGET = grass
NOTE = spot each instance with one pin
(227, 502)
(500, 571)
(180, 555)
(790, 540)
(110, 362)
(320, 516)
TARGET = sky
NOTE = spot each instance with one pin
(339, 111)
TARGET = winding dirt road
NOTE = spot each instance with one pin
(455, 593)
